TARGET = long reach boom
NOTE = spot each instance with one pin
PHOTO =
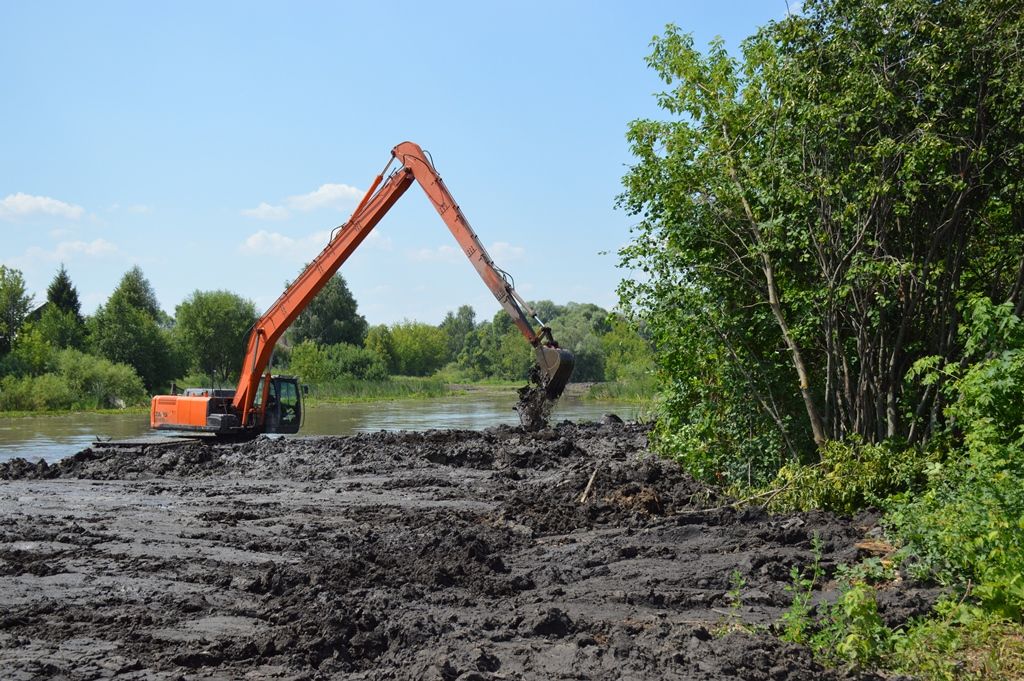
(248, 403)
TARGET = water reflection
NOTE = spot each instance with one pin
(54, 437)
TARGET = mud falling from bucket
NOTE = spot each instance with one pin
(534, 405)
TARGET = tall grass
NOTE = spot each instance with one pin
(639, 389)
(363, 390)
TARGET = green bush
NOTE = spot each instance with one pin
(379, 340)
(31, 355)
(851, 630)
(719, 440)
(959, 641)
(849, 477)
(968, 527)
(319, 364)
(98, 383)
(35, 393)
(420, 349)
(358, 362)
(453, 372)
(78, 381)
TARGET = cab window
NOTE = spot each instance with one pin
(289, 399)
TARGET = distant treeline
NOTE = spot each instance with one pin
(54, 358)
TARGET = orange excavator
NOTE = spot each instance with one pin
(265, 403)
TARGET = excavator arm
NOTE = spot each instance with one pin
(555, 365)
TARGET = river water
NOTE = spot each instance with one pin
(54, 437)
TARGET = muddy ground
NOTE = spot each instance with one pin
(438, 555)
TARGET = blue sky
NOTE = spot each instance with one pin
(216, 144)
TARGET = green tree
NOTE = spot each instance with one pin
(14, 305)
(61, 322)
(317, 364)
(135, 290)
(478, 352)
(212, 328)
(420, 349)
(578, 328)
(127, 333)
(514, 356)
(811, 216)
(496, 349)
(60, 328)
(380, 341)
(31, 354)
(628, 355)
(62, 294)
(310, 363)
(331, 317)
(547, 310)
(457, 326)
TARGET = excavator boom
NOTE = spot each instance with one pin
(555, 364)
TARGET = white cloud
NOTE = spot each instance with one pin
(23, 205)
(324, 196)
(378, 242)
(303, 248)
(265, 211)
(137, 208)
(66, 251)
(500, 251)
(503, 251)
(439, 254)
(275, 243)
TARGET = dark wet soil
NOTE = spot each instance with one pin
(437, 555)
(533, 406)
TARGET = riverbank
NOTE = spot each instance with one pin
(572, 552)
(396, 388)
(138, 409)
(54, 437)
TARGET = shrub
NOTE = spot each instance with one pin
(99, 383)
(78, 381)
(31, 355)
(318, 364)
(850, 476)
(420, 349)
(357, 362)
(968, 527)
(35, 393)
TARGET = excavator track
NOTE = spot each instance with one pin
(166, 441)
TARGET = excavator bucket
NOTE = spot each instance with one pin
(555, 369)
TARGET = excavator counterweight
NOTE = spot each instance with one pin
(264, 403)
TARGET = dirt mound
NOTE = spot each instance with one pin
(569, 552)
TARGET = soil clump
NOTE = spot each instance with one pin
(431, 555)
(534, 405)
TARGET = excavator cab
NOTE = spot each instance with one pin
(284, 405)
